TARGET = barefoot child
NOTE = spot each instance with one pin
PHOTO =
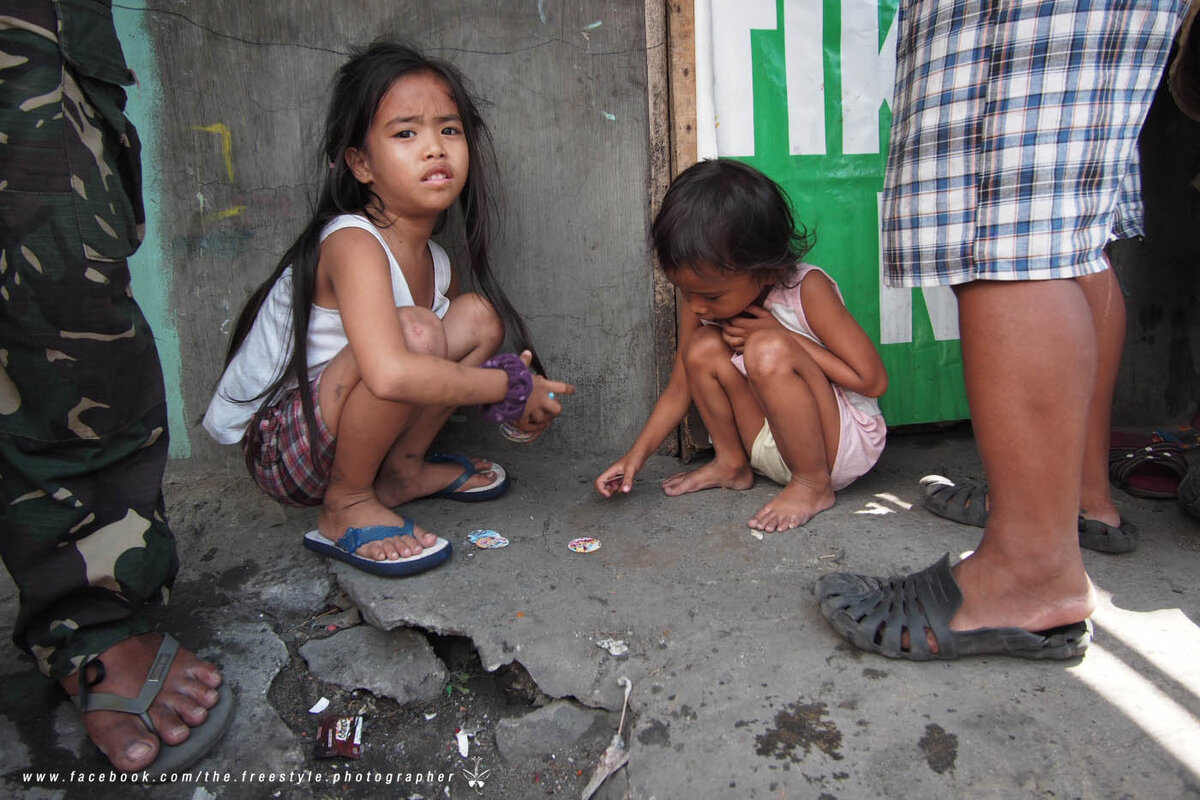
(782, 374)
(347, 361)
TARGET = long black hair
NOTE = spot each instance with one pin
(359, 87)
(726, 215)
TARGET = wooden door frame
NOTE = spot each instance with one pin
(671, 97)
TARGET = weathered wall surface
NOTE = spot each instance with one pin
(1159, 383)
(231, 105)
(243, 90)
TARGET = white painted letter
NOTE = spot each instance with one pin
(732, 73)
(868, 75)
(803, 23)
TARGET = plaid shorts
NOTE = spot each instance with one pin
(279, 455)
(1014, 137)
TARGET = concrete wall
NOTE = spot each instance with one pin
(231, 101)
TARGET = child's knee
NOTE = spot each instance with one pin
(769, 353)
(705, 347)
(423, 332)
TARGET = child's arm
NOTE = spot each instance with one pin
(355, 273)
(669, 411)
(849, 358)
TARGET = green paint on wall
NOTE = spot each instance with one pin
(836, 195)
(151, 269)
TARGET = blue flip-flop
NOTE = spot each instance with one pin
(497, 487)
(354, 538)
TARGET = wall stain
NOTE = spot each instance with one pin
(800, 725)
(940, 748)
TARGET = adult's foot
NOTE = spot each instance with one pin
(713, 475)
(877, 614)
(394, 488)
(969, 502)
(1002, 594)
(188, 693)
(997, 594)
(793, 507)
(340, 513)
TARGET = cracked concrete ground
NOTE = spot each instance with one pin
(740, 688)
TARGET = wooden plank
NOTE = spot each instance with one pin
(681, 36)
(658, 96)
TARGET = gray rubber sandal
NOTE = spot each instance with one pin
(1096, 535)
(170, 758)
(961, 502)
(874, 613)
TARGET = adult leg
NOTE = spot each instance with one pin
(83, 535)
(730, 413)
(473, 333)
(805, 421)
(83, 437)
(1030, 366)
(1107, 306)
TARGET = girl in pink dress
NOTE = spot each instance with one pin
(784, 377)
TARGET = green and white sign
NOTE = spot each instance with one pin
(801, 89)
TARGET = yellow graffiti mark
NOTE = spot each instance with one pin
(222, 130)
(227, 213)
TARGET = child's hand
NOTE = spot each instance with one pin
(617, 478)
(755, 318)
(542, 406)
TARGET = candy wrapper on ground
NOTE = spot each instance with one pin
(338, 737)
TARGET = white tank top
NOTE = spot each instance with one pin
(264, 353)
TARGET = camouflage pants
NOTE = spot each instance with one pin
(83, 431)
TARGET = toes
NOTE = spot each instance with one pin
(172, 729)
(122, 738)
(211, 677)
(130, 747)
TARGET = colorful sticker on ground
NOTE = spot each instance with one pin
(584, 544)
(487, 539)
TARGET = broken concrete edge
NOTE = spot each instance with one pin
(605, 693)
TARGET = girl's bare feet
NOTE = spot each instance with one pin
(713, 475)
(394, 488)
(795, 505)
(340, 513)
(189, 691)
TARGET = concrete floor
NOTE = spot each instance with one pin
(740, 688)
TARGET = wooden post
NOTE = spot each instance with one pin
(671, 85)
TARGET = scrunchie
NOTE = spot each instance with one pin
(520, 386)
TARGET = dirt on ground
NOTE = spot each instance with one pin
(225, 535)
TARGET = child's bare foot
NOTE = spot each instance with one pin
(337, 515)
(189, 691)
(395, 488)
(792, 507)
(713, 475)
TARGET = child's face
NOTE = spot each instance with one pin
(415, 155)
(716, 295)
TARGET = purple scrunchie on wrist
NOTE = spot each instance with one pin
(520, 386)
